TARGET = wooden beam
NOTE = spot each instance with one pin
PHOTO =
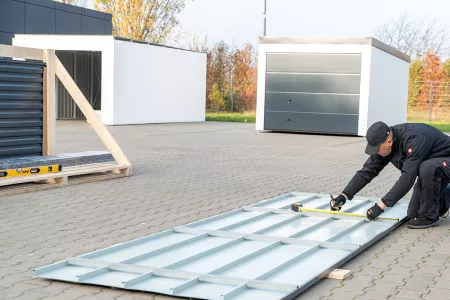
(49, 109)
(20, 52)
(339, 274)
(90, 114)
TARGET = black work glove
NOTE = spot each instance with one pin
(374, 212)
(337, 203)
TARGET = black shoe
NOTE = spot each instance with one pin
(422, 223)
(445, 210)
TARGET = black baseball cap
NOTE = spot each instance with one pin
(376, 135)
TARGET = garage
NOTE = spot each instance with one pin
(336, 86)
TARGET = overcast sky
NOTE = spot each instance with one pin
(242, 20)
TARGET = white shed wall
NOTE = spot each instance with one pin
(158, 85)
(141, 83)
(388, 98)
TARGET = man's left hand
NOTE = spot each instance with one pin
(374, 212)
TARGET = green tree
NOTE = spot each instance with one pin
(415, 79)
(216, 99)
(446, 92)
(219, 66)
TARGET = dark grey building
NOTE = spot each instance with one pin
(49, 17)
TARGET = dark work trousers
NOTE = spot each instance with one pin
(431, 194)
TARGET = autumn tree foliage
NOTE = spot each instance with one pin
(429, 84)
(431, 75)
(231, 77)
(81, 3)
(144, 20)
(245, 76)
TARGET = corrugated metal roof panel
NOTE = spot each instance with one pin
(263, 251)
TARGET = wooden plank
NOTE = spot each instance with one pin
(93, 168)
(339, 274)
(90, 114)
(65, 173)
(49, 109)
(34, 187)
(21, 52)
(92, 178)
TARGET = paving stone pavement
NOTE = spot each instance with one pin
(203, 169)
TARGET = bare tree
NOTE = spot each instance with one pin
(82, 3)
(414, 38)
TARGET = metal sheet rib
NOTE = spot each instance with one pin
(312, 227)
(136, 258)
(245, 257)
(144, 273)
(351, 228)
(271, 210)
(204, 253)
(146, 276)
(246, 221)
(288, 262)
(271, 239)
(93, 273)
(354, 207)
(234, 292)
(278, 224)
(127, 245)
(187, 284)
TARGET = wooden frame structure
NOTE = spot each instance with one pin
(54, 68)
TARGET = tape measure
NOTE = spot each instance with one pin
(30, 171)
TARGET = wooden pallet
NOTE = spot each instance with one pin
(68, 176)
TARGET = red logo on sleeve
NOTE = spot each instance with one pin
(410, 150)
(444, 163)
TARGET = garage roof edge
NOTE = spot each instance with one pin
(152, 44)
(336, 41)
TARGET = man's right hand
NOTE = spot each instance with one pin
(337, 203)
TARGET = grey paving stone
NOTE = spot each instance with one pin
(31, 295)
(137, 296)
(410, 294)
(321, 289)
(437, 294)
(441, 283)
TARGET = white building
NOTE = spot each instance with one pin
(140, 82)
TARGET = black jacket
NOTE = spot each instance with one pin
(413, 144)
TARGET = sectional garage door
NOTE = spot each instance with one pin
(312, 92)
(21, 102)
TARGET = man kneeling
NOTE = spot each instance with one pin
(417, 150)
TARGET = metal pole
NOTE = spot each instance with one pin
(265, 17)
(429, 102)
(232, 75)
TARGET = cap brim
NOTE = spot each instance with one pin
(371, 150)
